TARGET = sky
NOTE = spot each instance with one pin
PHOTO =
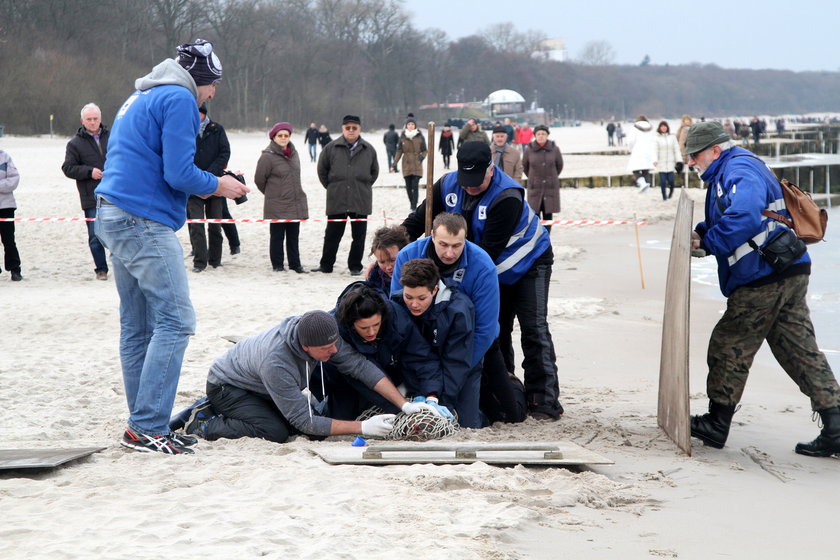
(779, 34)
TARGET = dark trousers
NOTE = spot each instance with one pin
(332, 238)
(545, 215)
(502, 395)
(666, 180)
(527, 300)
(446, 160)
(240, 413)
(392, 152)
(412, 183)
(291, 232)
(11, 257)
(466, 402)
(96, 248)
(230, 228)
(197, 209)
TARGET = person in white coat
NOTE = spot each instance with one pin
(668, 159)
(642, 152)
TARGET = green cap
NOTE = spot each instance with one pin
(704, 135)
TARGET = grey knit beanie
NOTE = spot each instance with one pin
(317, 328)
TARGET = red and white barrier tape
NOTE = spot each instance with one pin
(274, 221)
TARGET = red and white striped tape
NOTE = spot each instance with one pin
(276, 221)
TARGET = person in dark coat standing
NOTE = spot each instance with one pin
(446, 145)
(212, 153)
(347, 168)
(324, 136)
(543, 164)
(278, 178)
(84, 160)
(391, 139)
(412, 151)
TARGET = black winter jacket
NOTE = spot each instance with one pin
(81, 157)
(212, 149)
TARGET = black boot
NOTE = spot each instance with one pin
(828, 442)
(713, 427)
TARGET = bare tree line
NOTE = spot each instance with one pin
(315, 60)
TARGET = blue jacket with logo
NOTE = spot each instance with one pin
(740, 186)
(475, 277)
(529, 240)
(150, 171)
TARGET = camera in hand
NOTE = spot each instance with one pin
(241, 179)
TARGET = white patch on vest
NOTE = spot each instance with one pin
(451, 199)
(459, 275)
(482, 212)
(719, 191)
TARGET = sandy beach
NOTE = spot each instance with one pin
(62, 387)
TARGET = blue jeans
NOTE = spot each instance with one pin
(156, 315)
(312, 149)
(96, 248)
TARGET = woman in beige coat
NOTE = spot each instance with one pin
(278, 178)
(412, 151)
(543, 164)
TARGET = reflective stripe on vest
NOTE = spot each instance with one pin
(526, 248)
(759, 240)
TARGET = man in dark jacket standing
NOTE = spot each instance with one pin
(347, 168)
(212, 153)
(391, 139)
(84, 161)
(311, 139)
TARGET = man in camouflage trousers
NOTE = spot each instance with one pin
(764, 303)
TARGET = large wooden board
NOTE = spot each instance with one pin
(673, 410)
(557, 453)
(11, 459)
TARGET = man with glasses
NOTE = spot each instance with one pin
(347, 168)
(764, 302)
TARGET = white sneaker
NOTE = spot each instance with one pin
(642, 184)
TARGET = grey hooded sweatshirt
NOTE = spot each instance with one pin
(273, 363)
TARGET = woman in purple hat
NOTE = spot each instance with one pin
(278, 178)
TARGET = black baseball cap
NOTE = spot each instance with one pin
(473, 161)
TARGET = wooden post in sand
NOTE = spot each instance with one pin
(639, 251)
(673, 414)
(430, 175)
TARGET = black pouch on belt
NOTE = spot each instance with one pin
(782, 251)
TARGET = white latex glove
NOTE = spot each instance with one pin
(412, 407)
(378, 426)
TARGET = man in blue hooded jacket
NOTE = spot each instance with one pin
(141, 202)
(765, 302)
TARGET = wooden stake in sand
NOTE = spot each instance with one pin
(430, 175)
(639, 251)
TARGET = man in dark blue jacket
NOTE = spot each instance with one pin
(765, 302)
(84, 161)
